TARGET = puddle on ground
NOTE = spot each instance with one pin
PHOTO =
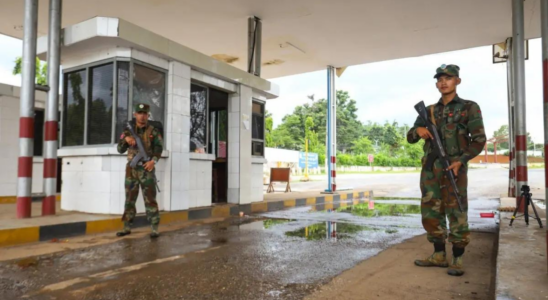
(381, 210)
(330, 229)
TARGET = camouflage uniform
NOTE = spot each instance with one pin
(138, 176)
(460, 126)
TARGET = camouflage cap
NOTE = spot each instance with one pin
(451, 70)
(139, 107)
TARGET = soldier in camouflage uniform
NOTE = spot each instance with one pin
(460, 126)
(143, 174)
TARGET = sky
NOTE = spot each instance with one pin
(387, 91)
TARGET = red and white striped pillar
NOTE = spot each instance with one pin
(26, 117)
(544, 30)
(52, 108)
(510, 87)
(519, 93)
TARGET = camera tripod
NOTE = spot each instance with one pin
(526, 196)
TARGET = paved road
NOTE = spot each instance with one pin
(280, 255)
(483, 183)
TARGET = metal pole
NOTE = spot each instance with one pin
(26, 119)
(331, 130)
(544, 30)
(519, 88)
(250, 43)
(258, 46)
(52, 108)
(510, 86)
(328, 129)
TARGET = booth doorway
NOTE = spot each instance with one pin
(218, 141)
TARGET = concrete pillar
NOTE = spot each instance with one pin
(544, 29)
(519, 88)
(52, 108)
(26, 120)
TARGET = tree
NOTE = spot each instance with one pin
(363, 146)
(269, 122)
(41, 70)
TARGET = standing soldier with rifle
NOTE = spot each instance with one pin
(140, 168)
(454, 134)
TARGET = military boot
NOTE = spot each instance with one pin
(154, 234)
(455, 268)
(437, 259)
(125, 231)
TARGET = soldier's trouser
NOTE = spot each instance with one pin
(135, 178)
(438, 202)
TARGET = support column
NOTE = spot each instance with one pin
(544, 30)
(510, 85)
(254, 45)
(331, 130)
(519, 88)
(26, 119)
(52, 108)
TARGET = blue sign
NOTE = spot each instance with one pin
(312, 160)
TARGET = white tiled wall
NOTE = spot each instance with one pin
(233, 148)
(177, 136)
(9, 145)
(256, 193)
(200, 183)
(95, 184)
(245, 144)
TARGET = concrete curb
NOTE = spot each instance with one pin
(13, 199)
(17, 236)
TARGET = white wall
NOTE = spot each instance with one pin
(200, 183)
(177, 136)
(9, 142)
(256, 189)
(95, 184)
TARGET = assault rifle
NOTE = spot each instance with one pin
(142, 155)
(437, 151)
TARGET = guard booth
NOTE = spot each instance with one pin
(212, 114)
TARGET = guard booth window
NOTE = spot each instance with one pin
(257, 126)
(97, 99)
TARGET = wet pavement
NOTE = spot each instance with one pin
(279, 255)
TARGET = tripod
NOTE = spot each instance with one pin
(525, 195)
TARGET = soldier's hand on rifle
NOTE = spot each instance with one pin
(455, 167)
(424, 133)
(130, 140)
(149, 165)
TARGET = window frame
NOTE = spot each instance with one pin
(206, 145)
(87, 68)
(263, 110)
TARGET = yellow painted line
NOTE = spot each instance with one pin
(16, 236)
(100, 226)
(290, 203)
(344, 196)
(259, 207)
(328, 206)
(220, 211)
(328, 199)
(172, 217)
(311, 201)
(8, 199)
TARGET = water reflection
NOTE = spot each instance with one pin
(381, 209)
(328, 230)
